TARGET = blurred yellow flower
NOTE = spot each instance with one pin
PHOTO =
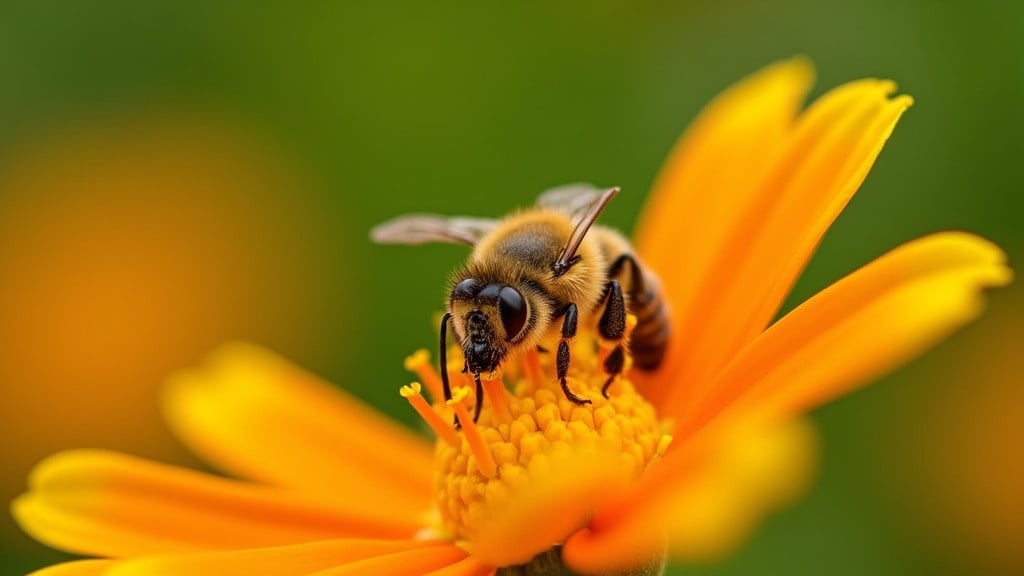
(129, 244)
(956, 466)
(684, 461)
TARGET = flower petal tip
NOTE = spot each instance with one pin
(793, 76)
(32, 513)
(77, 568)
(798, 69)
(185, 384)
(899, 103)
(55, 468)
(18, 508)
(989, 256)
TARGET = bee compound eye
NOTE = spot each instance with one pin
(465, 289)
(513, 311)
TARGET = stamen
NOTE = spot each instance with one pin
(419, 362)
(412, 394)
(494, 389)
(663, 444)
(659, 452)
(484, 458)
(532, 367)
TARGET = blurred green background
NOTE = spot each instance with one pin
(175, 174)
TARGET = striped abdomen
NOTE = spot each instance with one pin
(650, 337)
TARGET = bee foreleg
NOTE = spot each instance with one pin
(443, 357)
(569, 326)
(612, 327)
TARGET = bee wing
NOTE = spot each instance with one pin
(424, 228)
(583, 203)
(570, 199)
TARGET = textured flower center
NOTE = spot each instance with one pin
(524, 430)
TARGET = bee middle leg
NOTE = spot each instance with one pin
(612, 327)
(569, 325)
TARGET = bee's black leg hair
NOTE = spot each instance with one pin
(613, 367)
(569, 325)
(612, 326)
(443, 357)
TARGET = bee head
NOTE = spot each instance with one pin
(490, 318)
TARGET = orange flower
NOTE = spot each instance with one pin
(684, 460)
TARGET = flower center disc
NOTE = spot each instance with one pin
(527, 430)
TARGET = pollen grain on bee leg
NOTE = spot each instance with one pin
(416, 400)
(631, 322)
(481, 451)
(419, 362)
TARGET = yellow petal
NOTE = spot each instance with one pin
(860, 327)
(408, 563)
(557, 500)
(824, 158)
(107, 504)
(704, 509)
(256, 415)
(77, 568)
(710, 174)
(754, 470)
(710, 171)
(297, 560)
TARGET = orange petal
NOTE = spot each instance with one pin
(860, 327)
(557, 500)
(823, 161)
(587, 552)
(467, 567)
(297, 560)
(408, 563)
(706, 510)
(710, 175)
(752, 470)
(77, 568)
(107, 504)
(255, 415)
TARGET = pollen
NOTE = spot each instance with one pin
(432, 418)
(419, 362)
(522, 428)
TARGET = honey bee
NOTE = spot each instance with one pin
(537, 273)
